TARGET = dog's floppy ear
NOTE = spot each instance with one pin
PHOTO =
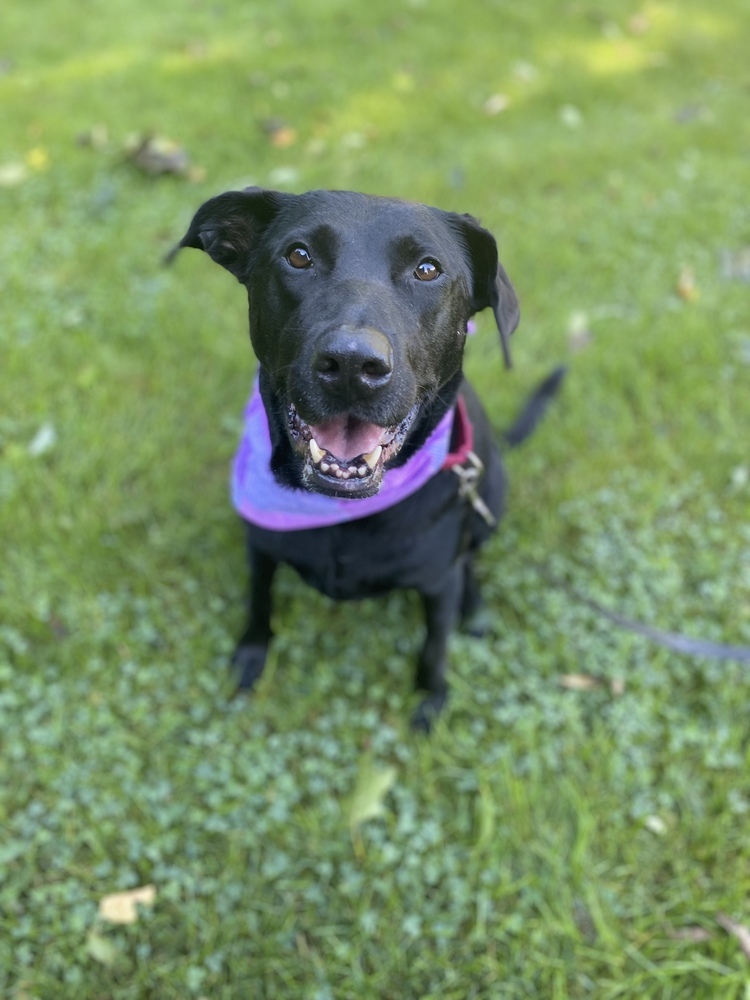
(492, 286)
(226, 226)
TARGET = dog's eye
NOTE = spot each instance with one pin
(299, 257)
(427, 270)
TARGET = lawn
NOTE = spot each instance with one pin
(577, 824)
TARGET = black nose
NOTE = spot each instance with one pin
(353, 360)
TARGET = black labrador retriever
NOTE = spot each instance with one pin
(368, 463)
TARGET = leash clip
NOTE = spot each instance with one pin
(469, 476)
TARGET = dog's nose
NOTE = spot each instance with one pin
(354, 359)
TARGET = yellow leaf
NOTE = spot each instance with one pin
(37, 158)
(580, 682)
(122, 907)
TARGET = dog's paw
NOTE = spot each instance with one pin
(247, 665)
(427, 712)
(478, 624)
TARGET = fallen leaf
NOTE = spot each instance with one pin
(579, 331)
(738, 931)
(272, 125)
(43, 441)
(694, 934)
(279, 133)
(580, 682)
(656, 825)
(496, 104)
(686, 287)
(373, 784)
(12, 174)
(122, 907)
(37, 158)
(157, 155)
(100, 948)
(284, 138)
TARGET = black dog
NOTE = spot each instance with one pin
(358, 316)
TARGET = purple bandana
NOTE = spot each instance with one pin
(260, 499)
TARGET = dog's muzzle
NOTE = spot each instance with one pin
(346, 456)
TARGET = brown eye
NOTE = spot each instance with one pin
(427, 270)
(299, 257)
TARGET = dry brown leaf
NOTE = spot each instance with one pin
(283, 138)
(738, 931)
(686, 286)
(155, 155)
(580, 682)
(122, 907)
(693, 934)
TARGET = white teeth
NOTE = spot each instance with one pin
(332, 468)
(372, 458)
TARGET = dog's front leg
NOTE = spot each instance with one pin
(249, 657)
(441, 607)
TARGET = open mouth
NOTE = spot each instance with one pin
(346, 456)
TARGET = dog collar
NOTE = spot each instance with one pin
(260, 499)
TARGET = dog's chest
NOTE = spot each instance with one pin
(408, 545)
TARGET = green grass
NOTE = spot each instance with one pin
(544, 842)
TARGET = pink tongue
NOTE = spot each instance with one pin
(346, 438)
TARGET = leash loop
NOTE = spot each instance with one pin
(469, 476)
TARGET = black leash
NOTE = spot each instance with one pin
(671, 640)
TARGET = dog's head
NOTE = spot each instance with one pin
(358, 313)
